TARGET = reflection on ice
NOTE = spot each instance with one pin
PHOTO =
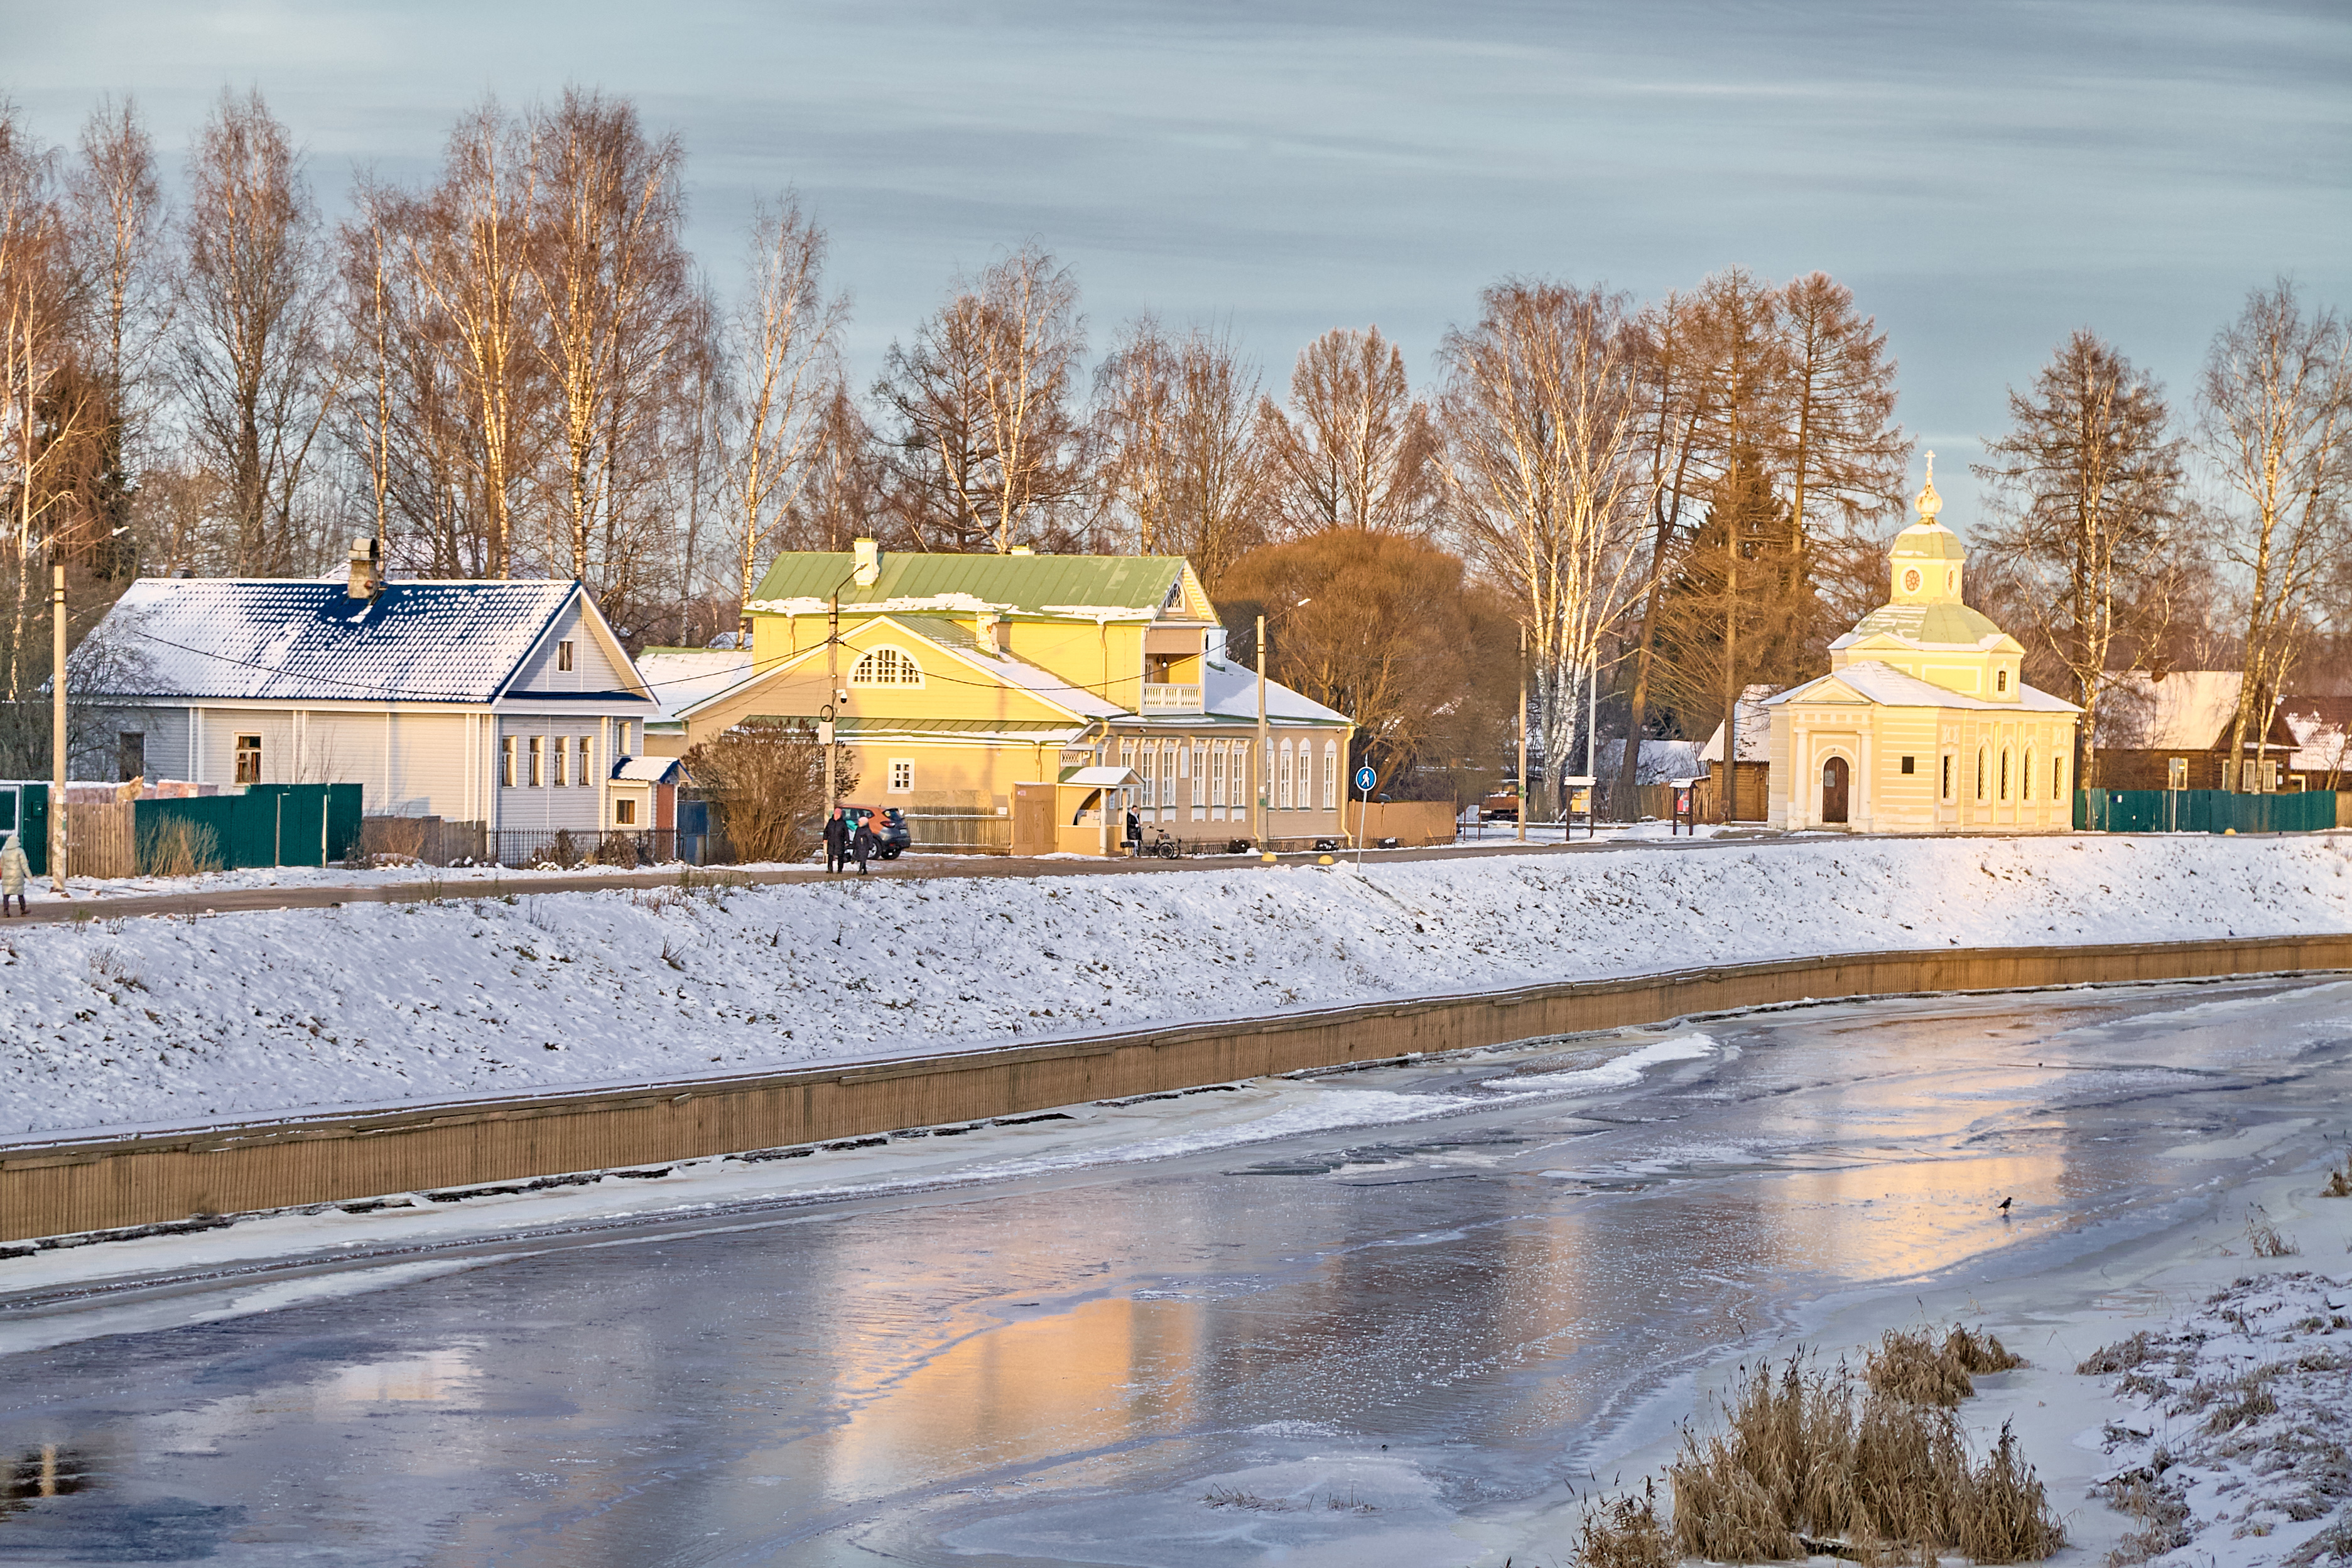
(1335, 1347)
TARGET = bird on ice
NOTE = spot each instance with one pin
(2003, 1206)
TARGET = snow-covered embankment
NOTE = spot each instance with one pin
(163, 1021)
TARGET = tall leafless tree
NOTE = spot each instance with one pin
(2274, 424)
(1179, 453)
(1032, 341)
(256, 367)
(784, 356)
(1356, 449)
(2084, 490)
(1544, 416)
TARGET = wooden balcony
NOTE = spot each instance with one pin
(1169, 698)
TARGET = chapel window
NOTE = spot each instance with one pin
(887, 667)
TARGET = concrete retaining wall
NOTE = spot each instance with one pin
(50, 1188)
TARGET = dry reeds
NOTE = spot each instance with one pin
(1917, 1368)
(179, 849)
(2267, 1240)
(1626, 1534)
(1806, 1463)
(2339, 1179)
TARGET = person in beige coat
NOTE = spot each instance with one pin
(13, 869)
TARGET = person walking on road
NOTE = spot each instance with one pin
(837, 841)
(13, 869)
(863, 843)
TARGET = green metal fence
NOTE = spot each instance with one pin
(268, 825)
(25, 812)
(2202, 811)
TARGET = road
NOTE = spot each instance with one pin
(1351, 1345)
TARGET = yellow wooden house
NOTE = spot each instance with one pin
(1924, 723)
(1052, 693)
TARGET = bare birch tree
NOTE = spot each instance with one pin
(1356, 449)
(256, 366)
(2083, 493)
(1031, 349)
(118, 222)
(468, 251)
(37, 308)
(785, 363)
(1671, 400)
(2274, 422)
(1180, 444)
(1547, 475)
(620, 317)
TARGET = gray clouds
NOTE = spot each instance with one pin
(1986, 177)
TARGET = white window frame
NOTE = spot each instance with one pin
(1200, 764)
(1284, 781)
(904, 671)
(537, 748)
(624, 811)
(557, 763)
(902, 776)
(563, 659)
(587, 754)
(505, 761)
(1217, 773)
(1331, 775)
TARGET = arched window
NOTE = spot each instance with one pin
(1330, 774)
(2004, 772)
(2000, 680)
(1984, 762)
(887, 667)
(2026, 776)
(1283, 781)
(2057, 780)
(1217, 774)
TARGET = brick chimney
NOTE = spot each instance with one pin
(367, 568)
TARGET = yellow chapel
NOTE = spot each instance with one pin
(1923, 724)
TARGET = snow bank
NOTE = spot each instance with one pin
(2238, 1440)
(169, 1021)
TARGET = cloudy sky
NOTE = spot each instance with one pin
(1986, 176)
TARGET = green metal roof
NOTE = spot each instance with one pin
(1024, 582)
(1951, 624)
(1929, 541)
(854, 726)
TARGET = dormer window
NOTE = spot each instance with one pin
(2000, 680)
(887, 667)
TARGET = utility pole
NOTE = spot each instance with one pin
(57, 720)
(1264, 741)
(1523, 732)
(832, 686)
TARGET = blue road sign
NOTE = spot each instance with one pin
(1366, 778)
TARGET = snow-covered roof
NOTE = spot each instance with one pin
(1755, 730)
(1102, 777)
(2322, 727)
(1230, 691)
(1660, 762)
(648, 771)
(2184, 710)
(275, 639)
(1890, 688)
(681, 677)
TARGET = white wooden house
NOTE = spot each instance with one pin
(510, 704)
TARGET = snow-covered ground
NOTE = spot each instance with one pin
(173, 1021)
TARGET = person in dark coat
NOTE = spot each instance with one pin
(1134, 831)
(837, 841)
(863, 843)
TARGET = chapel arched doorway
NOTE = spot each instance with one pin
(1833, 784)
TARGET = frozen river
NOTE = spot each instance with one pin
(1362, 1345)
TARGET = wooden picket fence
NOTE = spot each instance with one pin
(101, 839)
